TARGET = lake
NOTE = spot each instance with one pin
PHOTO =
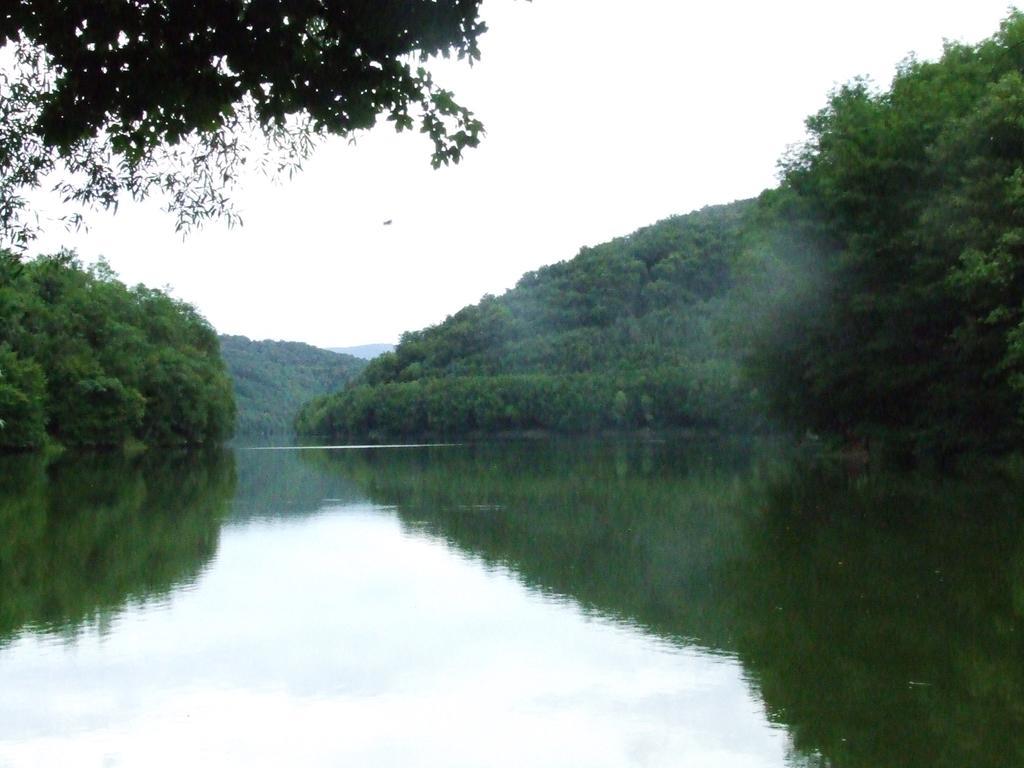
(522, 604)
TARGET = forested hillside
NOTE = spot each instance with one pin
(875, 297)
(84, 360)
(272, 379)
(630, 333)
(635, 302)
(900, 226)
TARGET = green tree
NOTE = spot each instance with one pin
(22, 401)
(91, 362)
(899, 220)
(149, 96)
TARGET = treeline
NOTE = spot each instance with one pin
(86, 361)
(272, 379)
(663, 398)
(875, 297)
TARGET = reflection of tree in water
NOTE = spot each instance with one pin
(620, 528)
(881, 618)
(83, 536)
(279, 483)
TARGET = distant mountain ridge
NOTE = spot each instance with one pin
(272, 379)
(364, 351)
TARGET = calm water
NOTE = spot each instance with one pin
(518, 605)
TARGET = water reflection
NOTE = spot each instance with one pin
(676, 598)
(349, 637)
(883, 618)
(83, 536)
(276, 484)
(880, 617)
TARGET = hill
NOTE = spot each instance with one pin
(627, 334)
(875, 297)
(272, 379)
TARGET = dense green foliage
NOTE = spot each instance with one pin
(875, 297)
(272, 379)
(87, 361)
(628, 334)
(83, 536)
(902, 216)
(702, 396)
(158, 96)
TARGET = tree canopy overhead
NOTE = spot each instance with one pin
(139, 95)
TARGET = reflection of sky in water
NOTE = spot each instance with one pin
(339, 639)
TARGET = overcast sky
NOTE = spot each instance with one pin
(602, 116)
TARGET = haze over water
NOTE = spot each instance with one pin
(523, 604)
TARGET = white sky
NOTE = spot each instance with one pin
(602, 116)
